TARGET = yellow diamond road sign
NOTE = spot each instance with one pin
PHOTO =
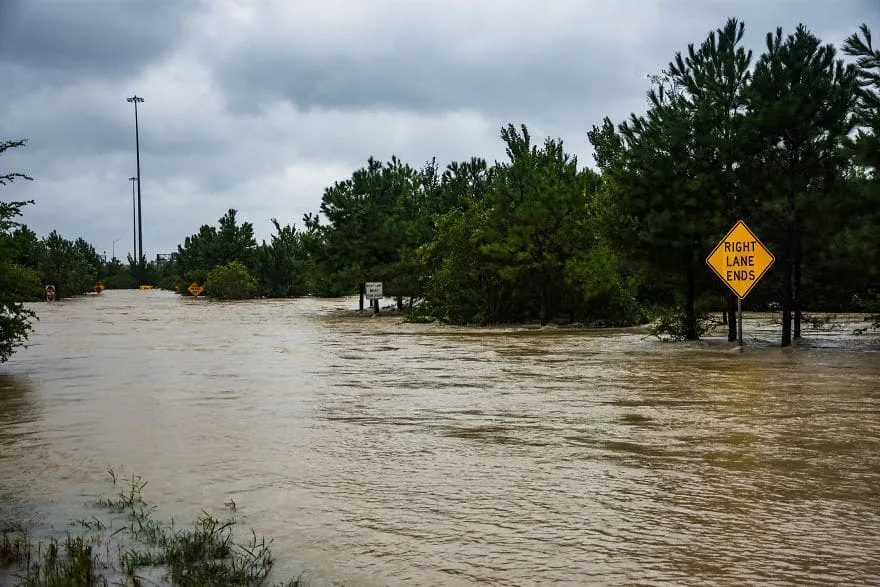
(740, 260)
(195, 289)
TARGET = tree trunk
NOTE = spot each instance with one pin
(788, 260)
(786, 302)
(544, 297)
(362, 289)
(400, 303)
(543, 306)
(796, 298)
(731, 312)
(690, 311)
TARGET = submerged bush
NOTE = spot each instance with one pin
(232, 281)
(672, 324)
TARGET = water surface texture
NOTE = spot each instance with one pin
(375, 452)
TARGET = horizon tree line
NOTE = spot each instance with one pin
(787, 141)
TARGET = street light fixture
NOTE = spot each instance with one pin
(134, 253)
(137, 144)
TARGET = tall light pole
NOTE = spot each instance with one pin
(113, 254)
(134, 253)
(137, 145)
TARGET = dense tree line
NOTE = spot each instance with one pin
(29, 263)
(219, 257)
(787, 141)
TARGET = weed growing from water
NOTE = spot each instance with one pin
(127, 499)
(15, 547)
(91, 523)
(73, 562)
(146, 549)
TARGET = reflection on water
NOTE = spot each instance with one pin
(17, 410)
(376, 452)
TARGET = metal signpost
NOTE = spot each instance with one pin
(740, 260)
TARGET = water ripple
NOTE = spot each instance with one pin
(377, 453)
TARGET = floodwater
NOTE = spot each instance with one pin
(375, 452)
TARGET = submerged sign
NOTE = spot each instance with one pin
(740, 259)
(373, 290)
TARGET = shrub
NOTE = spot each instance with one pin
(232, 281)
(673, 324)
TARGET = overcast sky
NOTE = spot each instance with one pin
(259, 105)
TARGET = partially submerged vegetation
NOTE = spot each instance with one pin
(132, 547)
(787, 141)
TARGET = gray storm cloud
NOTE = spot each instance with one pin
(261, 105)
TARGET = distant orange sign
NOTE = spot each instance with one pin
(740, 259)
(195, 289)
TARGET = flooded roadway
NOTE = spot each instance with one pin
(380, 453)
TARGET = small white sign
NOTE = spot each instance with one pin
(374, 290)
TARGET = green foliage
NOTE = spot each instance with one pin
(315, 260)
(16, 283)
(671, 184)
(866, 147)
(118, 276)
(460, 288)
(536, 238)
(282, 265)
(27, 249)
(141, 272)
(69, 266)
(215, 246)
(9, 210)
(720, 142)
(667, 217)
(206, 553)
(65, 563)
(456, 280)
(862, 237)
(539, 222)
(605, 297)
(519, 242)
(801, 101)
(674, 324)
(73, 267)
(14, 546)
(377, 219)
(231, 281)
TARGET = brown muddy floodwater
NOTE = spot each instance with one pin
(375, 452)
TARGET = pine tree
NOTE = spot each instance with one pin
(866, 151)
(800, 102)
(713, 79)
(15, 319)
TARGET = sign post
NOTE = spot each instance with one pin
(740, 260)
(373, 292)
